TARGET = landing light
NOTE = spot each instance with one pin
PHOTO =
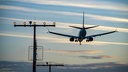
(14, 23)
(34, 23)
(25, 24)
(54, 23)
(44, 23)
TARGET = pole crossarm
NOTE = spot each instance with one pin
(33, 25)
(51, 65)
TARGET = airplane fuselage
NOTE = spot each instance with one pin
(82, 35)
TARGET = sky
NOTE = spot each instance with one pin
(16, 42)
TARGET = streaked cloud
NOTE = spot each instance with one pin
(9, 7)
(111, 28)
(86, 4)
(92, 43)
(96, 57)
(106, 28)
(107, 18)
(62, 40)
(15, 35)
(111, 43)
(99, 17)
(11, 66)
(66, 25)
(27, 36)
(76, 51)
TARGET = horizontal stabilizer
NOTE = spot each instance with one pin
(84, 27)
(75, 27)
(91, 27)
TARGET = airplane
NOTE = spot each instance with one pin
(82, 34)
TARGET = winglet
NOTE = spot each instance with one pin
(116, 30)
(48, 31)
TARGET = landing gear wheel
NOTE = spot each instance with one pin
(76, 40)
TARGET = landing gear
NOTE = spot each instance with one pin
(87, 40)
(80, 43)
(76, 40)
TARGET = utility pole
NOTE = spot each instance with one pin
(34, 38)
(50, 65)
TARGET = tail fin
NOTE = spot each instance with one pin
(83, 19)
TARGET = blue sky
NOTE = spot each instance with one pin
(109, 14)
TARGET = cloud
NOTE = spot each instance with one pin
(106, 28)
(9, 7)
(107, 18)
(65, 40)
(84, 4)
(26, 36)
(99, 17)
(14, 66)
(15, 35)
(112, 43)
(111, 28)
(61, 40)
(96, 57)
(75, 51)
(66, 25)
(92, 43)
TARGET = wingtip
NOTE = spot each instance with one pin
(48, 31)
(97, 25)
(116, 30)
(70, 26)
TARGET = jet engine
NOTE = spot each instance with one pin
(89, 39)
(72, 39)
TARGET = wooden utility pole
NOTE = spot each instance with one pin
(34, 37)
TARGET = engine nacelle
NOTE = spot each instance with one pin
(89, 39)
(72, 39)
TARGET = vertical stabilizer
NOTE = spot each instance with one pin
(83, 19)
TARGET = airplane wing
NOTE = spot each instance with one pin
(101, 34)
(62, 34)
